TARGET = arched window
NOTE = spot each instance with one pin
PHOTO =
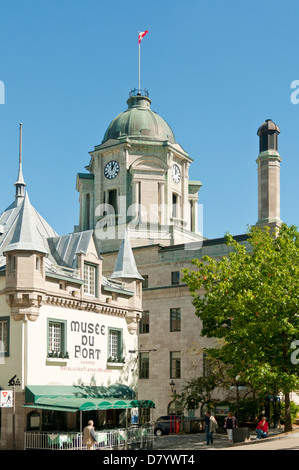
(175, 407)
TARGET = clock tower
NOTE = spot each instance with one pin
(139, 180)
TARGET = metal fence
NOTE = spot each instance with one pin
(121, 439)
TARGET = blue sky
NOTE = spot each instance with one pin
(215, 70)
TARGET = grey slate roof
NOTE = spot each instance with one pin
(23, 228)
(24, 233)
(125, 266)
(64, 249)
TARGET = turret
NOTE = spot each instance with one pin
(268, 175)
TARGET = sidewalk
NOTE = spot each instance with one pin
(198, 442)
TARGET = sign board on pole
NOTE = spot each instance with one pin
(6, 399)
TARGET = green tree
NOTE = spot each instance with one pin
(200, 389)
(249, 302)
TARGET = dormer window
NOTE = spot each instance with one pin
(90, 277)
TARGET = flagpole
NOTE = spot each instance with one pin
(138, 63)
(140, 36)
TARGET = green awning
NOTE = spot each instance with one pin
(64, 400)
(33, 392)
(77, 404)
(121, 391)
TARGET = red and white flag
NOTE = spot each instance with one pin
(141, 36)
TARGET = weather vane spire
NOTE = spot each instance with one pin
(20, 184)
(140, 37)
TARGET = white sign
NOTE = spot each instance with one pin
(6, 399)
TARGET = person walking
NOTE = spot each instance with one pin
(89, 436)
(210, 427)
(213, 427)
(207, 426)
(229, 425)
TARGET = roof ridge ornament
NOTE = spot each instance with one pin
(20, 184)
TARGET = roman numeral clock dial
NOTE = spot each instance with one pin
(176, 173)
(111, 170)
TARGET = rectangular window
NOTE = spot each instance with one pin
(175, 278)
(144, 365)
(90, 277)
(175, 365)
(56, 337)
(175, 319)
(145, 281)
(38, 263)
(12, 263)
(144, 322)
(112, 201)
(174, 205)
(4, 336)
(115, 349)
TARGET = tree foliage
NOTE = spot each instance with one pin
(249, 301)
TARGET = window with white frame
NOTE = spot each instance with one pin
(115, 345)
(56, 338)
(90, 277)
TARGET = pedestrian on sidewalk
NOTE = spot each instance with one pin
(207, 426)
(262, 428)
(210, 427)
(229, 425)
(89, 436)
(213, 427)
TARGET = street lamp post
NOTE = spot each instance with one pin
(172, 384)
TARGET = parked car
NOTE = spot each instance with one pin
(167, 424)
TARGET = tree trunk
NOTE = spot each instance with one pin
(287, 413)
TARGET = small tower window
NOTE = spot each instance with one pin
(264, 142)
(174, 205)
(38, 264)
(273, 141)
(112, 200)
(87, 212)
(12, 263)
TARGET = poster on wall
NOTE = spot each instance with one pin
(134, 415)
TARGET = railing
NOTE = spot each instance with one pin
(137, 92)
(121, 439)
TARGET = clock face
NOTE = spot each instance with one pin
(176, 173)
(111, 169)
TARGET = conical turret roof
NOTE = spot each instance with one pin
(24, 233)
(125, 265)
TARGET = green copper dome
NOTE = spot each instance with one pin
(139, 122)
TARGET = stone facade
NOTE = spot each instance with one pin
(62, 321)
(137, 193)
(145, 177)
(162, 293)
